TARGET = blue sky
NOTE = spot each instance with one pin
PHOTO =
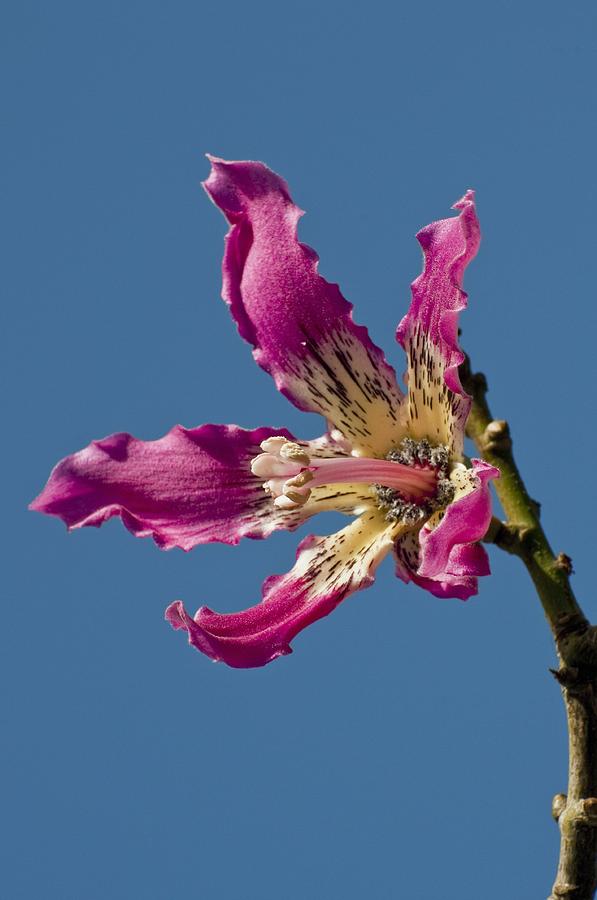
(409, 747)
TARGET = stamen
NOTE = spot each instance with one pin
(285, 466)
(359, 469)
(291, 473)
(265, 465)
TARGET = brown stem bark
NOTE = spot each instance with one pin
(575, 639)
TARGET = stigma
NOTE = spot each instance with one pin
(407, 485)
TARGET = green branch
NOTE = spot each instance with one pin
(576, 643)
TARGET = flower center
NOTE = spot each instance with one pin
(399, 508)
(409, 484)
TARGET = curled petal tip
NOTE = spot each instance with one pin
(320, 579)
(220, 161)
(215, 162)
(465, 201)
(220, 164)
(236, 186)
(175, 614)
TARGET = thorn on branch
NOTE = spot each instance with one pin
(567, 676)
(479, 382)
(536, 507)
(564, 562)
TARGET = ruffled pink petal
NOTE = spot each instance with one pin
(327, 570)
(447, 560)
(448, 587)
(190, 487)
(468, 560)
(465, 565)
(465, 521)
(438, 405)
(299, 324)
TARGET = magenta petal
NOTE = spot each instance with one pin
(327, 570)
(257, 635)
(437, 296)
(459, 587)
(465, 522)
(448, 560)
(468, 560)
(192, 486)
(429, 331)
(299, 324)
(460, 581)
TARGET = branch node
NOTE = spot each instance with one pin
(561, 890)
(558, 805)
(526, 535)
(572, 814)
(589, 811)
(577, 646)
(496, 437)
(568, 624)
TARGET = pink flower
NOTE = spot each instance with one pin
(393, 461)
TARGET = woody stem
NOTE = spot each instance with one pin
(575, 639)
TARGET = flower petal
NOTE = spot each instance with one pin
(327, 570)
(190, 487)
(466, 562)
(299, 324)
(447, 560)
(437, 404)
(465, 521)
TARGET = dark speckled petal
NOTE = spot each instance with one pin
(299, 324)
(327, 570)
(192, 486)
(438, 407)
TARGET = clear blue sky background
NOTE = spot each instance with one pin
(409, 748)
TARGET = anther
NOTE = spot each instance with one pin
(294, 453)
(285, 501)
(301, 479)
(273, 445)
(291, 499)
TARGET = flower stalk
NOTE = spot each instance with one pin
(575, 640)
